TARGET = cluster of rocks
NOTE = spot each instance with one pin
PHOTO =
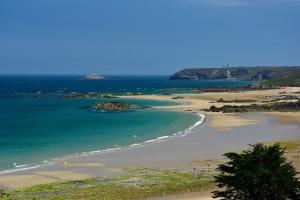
(286, 98)
(88, 95)
(114, 106)
(178, 97)
(221, 100)
(274, 107)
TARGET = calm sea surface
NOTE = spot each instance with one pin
(36, 130)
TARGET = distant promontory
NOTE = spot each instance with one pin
(239, 73)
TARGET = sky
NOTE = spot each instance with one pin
(145, 36)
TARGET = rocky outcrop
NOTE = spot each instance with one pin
(274, 107)
(240, 73)
(98, 95)
(114, 106)
(221, 100)
(93, 77)
(88, 95)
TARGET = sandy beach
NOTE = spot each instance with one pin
(153, 100)
(219, 133)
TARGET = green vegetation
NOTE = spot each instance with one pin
(294, 81)
(289, 146)
(261, 165)
(142, 183)
(260, 173)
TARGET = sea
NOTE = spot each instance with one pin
(38, 130)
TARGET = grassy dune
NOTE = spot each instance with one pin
(142, 183)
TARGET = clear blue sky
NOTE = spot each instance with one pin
(145, 36)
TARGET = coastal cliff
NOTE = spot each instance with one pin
(240, 73)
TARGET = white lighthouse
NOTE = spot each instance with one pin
(228, 72)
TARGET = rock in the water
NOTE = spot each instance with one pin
(94, 77)
(89, 95)
(114, 106)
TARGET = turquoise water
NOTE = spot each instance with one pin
(33, 130)
(37, 129)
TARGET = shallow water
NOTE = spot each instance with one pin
(38, 129)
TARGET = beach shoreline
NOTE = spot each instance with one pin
(218, 134)
(145, 143)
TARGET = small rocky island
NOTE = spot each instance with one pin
(93, 77)
(114, 106)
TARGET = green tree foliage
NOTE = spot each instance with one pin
(260, 173)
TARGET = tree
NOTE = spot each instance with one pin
(260, 173)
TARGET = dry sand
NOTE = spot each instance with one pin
(198, 102)
(40, 177)
(204, 195)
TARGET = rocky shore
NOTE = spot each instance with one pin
(221, 100)
(273, 107)
(114, 106)
(221, 89)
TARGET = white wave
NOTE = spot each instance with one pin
(17, 170)
(136, 144)
(202, 117)
(91, 152)
(157, 139)
(148, 141)
(111, 149)
(20, 166)
(163, 137)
